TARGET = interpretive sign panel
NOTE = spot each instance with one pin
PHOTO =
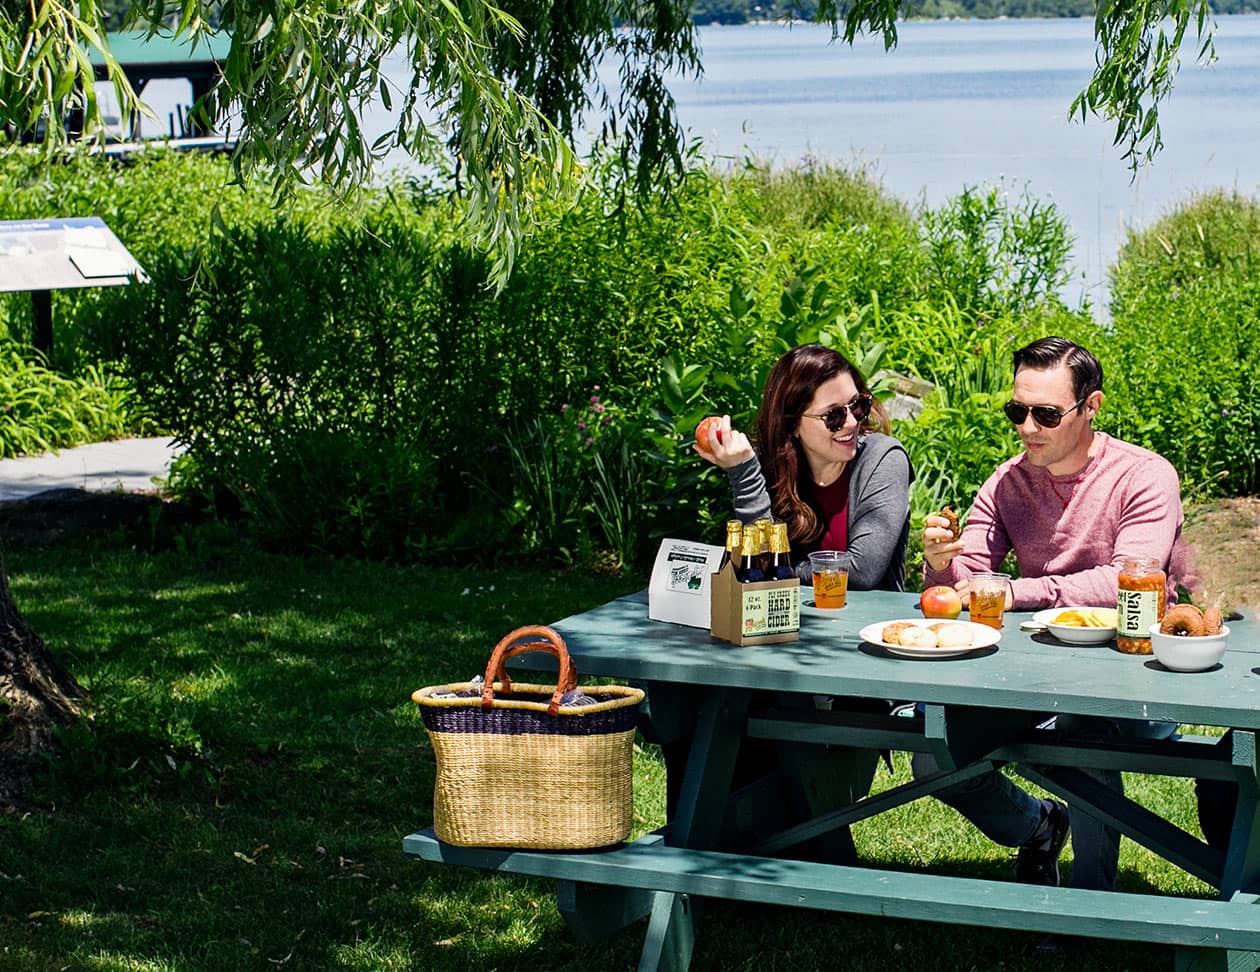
(62, 254)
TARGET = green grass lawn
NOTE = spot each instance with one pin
(239, 796)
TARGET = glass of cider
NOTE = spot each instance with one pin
(831, 580)
(988, 597)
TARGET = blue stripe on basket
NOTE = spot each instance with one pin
(473, 718)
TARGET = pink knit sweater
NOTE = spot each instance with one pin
(1071, 533)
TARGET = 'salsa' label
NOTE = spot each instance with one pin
(1136, 611)
(775, 610)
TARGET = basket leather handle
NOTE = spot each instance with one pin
(508, 647)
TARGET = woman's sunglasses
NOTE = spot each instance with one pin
(1047, 416)
(834, 418)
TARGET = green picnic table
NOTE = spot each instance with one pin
(980, 710)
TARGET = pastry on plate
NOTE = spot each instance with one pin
(891, 635)
(917, 637)
(952, 635)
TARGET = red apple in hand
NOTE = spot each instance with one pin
(940, 602)
(702, 431)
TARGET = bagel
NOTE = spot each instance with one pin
(1213, 621)
(1184, 621)
(891, 635)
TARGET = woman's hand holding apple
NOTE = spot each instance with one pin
(720, 444)
(939, 544)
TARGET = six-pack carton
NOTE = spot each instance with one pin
(761, 613)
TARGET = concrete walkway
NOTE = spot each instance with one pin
(127, 465)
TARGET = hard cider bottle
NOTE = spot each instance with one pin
(749, 569)
(734, 537)
(763, 527)
(780, 553)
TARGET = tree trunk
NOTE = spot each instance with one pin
(36, 693)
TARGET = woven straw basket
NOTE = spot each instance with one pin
(517, 769)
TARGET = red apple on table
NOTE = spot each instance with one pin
(940, 602)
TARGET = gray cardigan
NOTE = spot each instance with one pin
(879, 512)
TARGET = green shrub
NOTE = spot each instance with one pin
(157, 203)
(343, 374)
(1183, 349)
(287, 361)
(865, 241)
(993, 254)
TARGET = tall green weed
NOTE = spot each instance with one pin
(41, 410)
(994, 253)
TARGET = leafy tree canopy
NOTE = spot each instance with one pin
(498, 87)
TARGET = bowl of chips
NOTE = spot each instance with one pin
(1079, 625)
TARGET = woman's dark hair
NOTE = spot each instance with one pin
(1050, 352)
(789, 390)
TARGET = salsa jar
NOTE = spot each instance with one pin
(1139, 603)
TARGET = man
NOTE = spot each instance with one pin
(1071, 506)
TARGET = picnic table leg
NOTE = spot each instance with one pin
(697, 822)
(593, 912)
(671, 934)
(1242, 859)
(710, 766)
(830, 779)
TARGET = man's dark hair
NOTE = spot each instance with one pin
(1050, 352)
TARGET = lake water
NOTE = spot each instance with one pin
(967, 103)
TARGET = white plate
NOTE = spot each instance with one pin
(1070, 633)
(981, 634)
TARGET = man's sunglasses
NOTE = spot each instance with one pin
(834, 418)
(1047, 416)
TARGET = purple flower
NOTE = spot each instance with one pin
(581, 426)
(606, 420)
(599, 408)
(564, 408)
(590, 441)
(594, 399)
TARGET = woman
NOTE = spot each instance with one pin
(825, 464)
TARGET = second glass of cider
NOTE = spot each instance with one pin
(988, 598)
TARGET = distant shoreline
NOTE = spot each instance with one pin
(949, 18)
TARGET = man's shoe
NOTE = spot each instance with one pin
(1038, 862)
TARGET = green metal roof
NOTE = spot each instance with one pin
(138, 48)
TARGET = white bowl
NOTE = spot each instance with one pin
(1073, 634)
(1186, 654)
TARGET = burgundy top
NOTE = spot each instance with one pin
(833, 500)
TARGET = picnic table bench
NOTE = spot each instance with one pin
(979, 711)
